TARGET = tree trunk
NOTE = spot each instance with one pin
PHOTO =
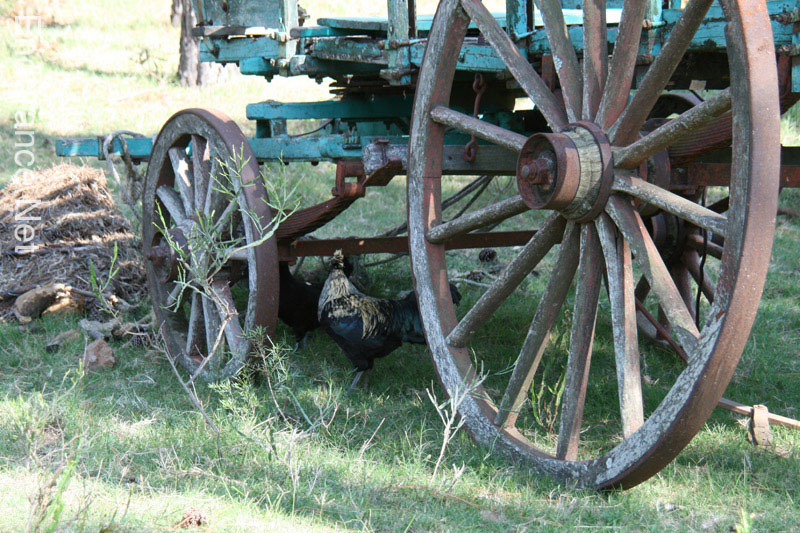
(175, 13)
(187, 67)
(191, 71)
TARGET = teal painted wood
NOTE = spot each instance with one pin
(517, 22)
(264, 13)
(307, 32)
(473, 58)
(398, 72)
(376, 108)
(350, 49)
(138, 148)
(234, 50)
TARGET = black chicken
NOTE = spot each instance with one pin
(367, 328)
(297, 303)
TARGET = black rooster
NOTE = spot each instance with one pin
(367, 328)
(297, 302)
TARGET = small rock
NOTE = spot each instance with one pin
(98, 354)
(72, 303)
(61, 339)
(55, 298)
(487, 255)
(193, 517)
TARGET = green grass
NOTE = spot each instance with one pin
(125, 450)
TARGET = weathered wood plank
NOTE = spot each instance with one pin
(619, 273)
(539, 332)
(668, 201)
(590, 277)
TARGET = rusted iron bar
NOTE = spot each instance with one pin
(478, 128)
(630, 156)
(289, 250)
(695, 242)
(719, 174)
(482, 217)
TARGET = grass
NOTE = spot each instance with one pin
(125, 450)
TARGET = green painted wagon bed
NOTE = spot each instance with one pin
(631, 112)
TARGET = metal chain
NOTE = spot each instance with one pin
(479, 87)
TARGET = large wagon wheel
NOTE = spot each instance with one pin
(203, 204)
(593, 196)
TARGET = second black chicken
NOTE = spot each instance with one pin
(367, 328)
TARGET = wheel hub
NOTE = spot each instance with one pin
(569, 171)
(167, 258)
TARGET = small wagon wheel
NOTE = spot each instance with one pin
(593, 197)
(205, 215)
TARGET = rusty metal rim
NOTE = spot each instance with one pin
(262, 303)
(742, 270)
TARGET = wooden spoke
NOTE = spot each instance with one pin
(508, 280)
(482, 130)
(172, 297)
(695, 242)
(661, 284)
(230, 316)
(632, 155)
(215, 342)
(194, 335)
(225, 216)
(546, 313)
(477, 219)
(683, 282)
(215, 199)
(619, 272)
(564, 56)
(518, 65)
(200, 170)
(595, 55)
(172, 202)
(692, 261)
(668, 201)
(180, 167)
(590, 277)
(626, 128)
(623, 62)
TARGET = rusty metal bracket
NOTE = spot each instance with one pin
(349, 189)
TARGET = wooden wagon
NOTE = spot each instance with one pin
(634, 110)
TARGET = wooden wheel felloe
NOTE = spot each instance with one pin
(210, 270)
(589, 172)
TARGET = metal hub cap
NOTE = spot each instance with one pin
(571, 171)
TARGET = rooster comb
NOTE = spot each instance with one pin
(338, 259)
